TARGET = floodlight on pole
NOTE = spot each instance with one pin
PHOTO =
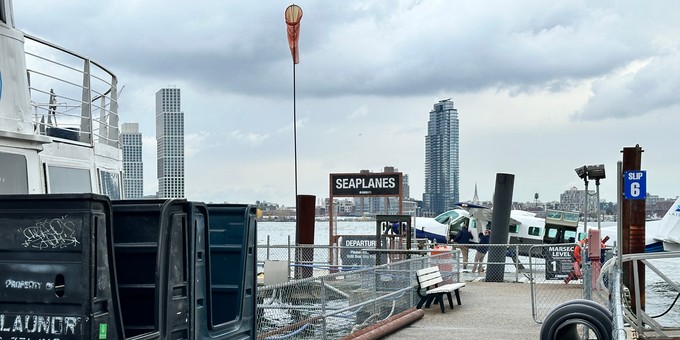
(582, 173)
(597, 173)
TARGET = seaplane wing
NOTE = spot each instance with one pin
(483, 213)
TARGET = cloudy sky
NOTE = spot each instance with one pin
(540, 87)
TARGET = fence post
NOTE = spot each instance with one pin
(323, 307)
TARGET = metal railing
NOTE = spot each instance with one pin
(638, 318)
(67, 92)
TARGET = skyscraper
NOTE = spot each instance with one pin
(133, 169)
(442, 166)
(169, 143)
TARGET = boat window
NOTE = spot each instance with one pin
(513, 229)
(109, 182)
(572, 217)
(569, 234)
(63, 180)
(552, 233)
(13, 174)
(553, 214)
(3, 16)
(535, 231)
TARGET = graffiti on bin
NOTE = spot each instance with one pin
(53, 233)
(22, 284)
(38, 326)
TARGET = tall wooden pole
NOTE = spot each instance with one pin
(633, 227)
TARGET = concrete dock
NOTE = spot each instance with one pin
(489, 310)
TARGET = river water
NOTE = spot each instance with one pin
(659, 295)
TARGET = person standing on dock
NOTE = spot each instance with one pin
(577, 258)
(463, 238)
(481, 251)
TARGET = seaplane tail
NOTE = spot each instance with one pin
(668, 229)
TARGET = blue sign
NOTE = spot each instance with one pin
(635, 184)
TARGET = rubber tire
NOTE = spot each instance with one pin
(562, 322)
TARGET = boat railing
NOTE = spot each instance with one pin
(73, 98)
(633, 313)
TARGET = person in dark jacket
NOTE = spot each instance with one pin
(481, 251)
(463, 238)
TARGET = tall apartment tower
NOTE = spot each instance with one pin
(169, 143)
(133, 169)
(442, 165)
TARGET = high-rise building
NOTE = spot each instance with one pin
(133, 169)
(442, 165)
(372, 205)
(169, 143)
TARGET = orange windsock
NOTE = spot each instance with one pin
(293, 15)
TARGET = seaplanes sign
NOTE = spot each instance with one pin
(366, 184)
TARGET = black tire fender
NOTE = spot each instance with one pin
(561, 323)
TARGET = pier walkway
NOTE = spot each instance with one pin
(489, 310)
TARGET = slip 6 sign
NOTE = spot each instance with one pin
(635, 184)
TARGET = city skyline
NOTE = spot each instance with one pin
(544, 88)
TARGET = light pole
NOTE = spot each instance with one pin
(597, 173)
(588, 172)
(582, 173)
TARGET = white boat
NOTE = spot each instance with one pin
(58, 118)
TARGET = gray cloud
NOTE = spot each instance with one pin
(537, 78)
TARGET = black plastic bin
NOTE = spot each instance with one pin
(56, 268)
(151, 250)
(233, 279)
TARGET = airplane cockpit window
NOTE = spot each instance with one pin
(445, 218)
(13, 174)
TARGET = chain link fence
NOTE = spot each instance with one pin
(332, 286)
(556, 278)
(337, 304)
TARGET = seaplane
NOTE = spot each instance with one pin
(556, 227)
(669, 228)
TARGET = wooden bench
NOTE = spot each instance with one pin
(429, 280)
